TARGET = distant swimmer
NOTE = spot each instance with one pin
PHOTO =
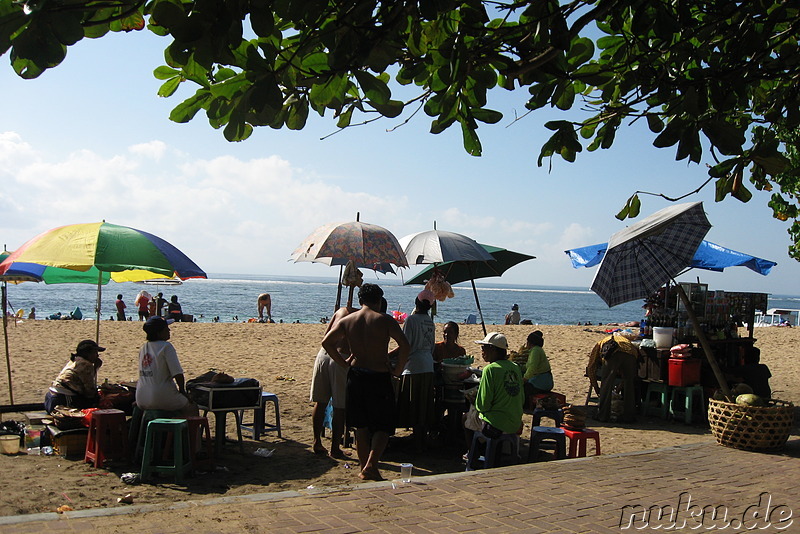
(264, 301)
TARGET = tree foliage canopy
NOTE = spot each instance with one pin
(713, 79)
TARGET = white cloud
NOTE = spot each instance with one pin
(154, 149)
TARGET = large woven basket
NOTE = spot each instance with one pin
(751, 428)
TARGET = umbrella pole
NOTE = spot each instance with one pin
(339, 290)
(97, 306)
(478, 304)
(701, 336)
(5, 336)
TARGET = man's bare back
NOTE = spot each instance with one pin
(368, 333)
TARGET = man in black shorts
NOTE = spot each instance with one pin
(370, 395)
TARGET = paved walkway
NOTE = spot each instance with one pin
(748, 491)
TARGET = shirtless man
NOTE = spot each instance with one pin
(265, 301)
(328, 382)
(370, 395)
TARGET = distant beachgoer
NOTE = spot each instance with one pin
(160, 304)
(142, 302)
(174, 310)
(370, 394)
(265, 302)
(120, 304)
(76, 384)
(32, 314)
(512, 317)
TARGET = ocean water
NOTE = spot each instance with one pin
(232, 298)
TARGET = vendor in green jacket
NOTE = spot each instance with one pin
(500, 393)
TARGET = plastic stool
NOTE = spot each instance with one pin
(107, 438)
(688, 394)
(494, 448)
(201, 446)
(182, 462)
(260, 424)
(660, 393)
(541, 434)
(556, 415)
(137, 429)
(578, 439)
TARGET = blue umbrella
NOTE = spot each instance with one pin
(709, 256)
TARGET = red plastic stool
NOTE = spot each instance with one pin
(201, 446)
(108, 437)
(578, 439)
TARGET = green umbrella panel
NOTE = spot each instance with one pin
(462, 271)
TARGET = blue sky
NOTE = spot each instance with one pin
(91, 140)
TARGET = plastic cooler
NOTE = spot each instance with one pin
(684, 372)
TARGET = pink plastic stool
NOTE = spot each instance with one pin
(577, 441)
(108, 437)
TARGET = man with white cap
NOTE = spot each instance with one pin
(500, 393)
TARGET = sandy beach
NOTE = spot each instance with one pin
(281, 357)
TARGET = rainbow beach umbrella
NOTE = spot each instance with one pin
(102, 250)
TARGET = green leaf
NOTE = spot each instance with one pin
(391, 109)
(169, 87)
(655, 123)
(168, 13)
(345, 118)
(375, 89)
(488, 116)
(471, 142)
(186, 110)
(297, 115)
(727, 137)
(237, 131)
(164, 73)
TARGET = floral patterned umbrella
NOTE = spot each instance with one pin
(367, 245)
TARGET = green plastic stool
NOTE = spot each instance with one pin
(137, 428)
(182, 458)
(659, 392)
(686, 395)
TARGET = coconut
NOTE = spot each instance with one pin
(748, 399)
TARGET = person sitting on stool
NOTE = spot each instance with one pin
(619, 358)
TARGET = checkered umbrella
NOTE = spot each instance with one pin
(648, 254)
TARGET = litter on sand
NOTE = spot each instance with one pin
(264, 452)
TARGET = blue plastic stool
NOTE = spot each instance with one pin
(547, 434)
(659, 392)
(158, 429)
(556, 415)
(684, 396)
(494, 448)
(260, 425)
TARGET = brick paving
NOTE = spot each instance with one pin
(748, 491)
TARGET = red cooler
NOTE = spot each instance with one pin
(684, 372)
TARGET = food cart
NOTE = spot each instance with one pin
(720, 314)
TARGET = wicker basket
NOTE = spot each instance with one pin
(751, 428)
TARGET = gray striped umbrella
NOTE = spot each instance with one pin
(646, 255)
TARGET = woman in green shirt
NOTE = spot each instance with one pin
(537, 370)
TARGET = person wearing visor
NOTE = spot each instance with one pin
(500, 392)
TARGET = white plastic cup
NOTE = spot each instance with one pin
(405, 472)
